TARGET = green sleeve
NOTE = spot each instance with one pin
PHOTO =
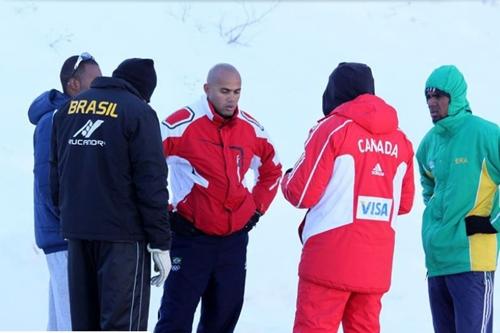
(493, 158)
(493, 167)
(426, 178)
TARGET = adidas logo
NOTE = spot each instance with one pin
(377, 170)
(89, 128)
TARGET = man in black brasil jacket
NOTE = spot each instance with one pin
(109, 180)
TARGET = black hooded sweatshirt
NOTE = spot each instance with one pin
(108, 173)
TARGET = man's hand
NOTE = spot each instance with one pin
(162, 264)
(252, 222)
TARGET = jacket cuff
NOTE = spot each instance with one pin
(478, 225)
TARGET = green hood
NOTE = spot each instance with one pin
(449, 79)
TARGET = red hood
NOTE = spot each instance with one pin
(370, 112)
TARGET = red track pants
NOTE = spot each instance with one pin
(321, 310)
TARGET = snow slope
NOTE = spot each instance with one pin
(285, 59)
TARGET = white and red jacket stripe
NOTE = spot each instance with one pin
(355, 176)
(209, 157)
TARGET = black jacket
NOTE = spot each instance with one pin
(108, 173)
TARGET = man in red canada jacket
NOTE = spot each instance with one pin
(209, 147)
(355, 177)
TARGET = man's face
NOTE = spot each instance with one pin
(88, 75)
(438, 104)
(224, 92)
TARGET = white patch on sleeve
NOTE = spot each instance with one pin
(182, 176)
(397, 186)
(335, 207)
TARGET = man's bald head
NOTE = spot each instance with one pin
(223, 89)
(221, 71)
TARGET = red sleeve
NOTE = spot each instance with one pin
(305, 184)
(173, 127)
(269, 174)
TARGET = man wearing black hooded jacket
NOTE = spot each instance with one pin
(108, 178)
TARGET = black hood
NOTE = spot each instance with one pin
(347, 81)
(140, 73)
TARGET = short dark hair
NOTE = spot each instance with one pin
(68, 69)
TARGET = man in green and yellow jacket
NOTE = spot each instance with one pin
(459, 164)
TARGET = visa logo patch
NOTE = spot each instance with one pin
(374, 208)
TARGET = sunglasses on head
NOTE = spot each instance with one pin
(435, 92)
(85, 56)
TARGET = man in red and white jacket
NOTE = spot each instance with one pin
(210, 146)
(355, 177)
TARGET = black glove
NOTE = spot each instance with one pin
(252, 222)
(478, 225)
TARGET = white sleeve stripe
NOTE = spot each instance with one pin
(318, 159)
(296, 167)
(275, 184)
(313, 132)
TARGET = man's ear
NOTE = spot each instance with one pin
(205, 88)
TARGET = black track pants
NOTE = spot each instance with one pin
(109, 285)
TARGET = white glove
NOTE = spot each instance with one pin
(162, 264)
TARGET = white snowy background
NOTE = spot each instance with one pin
(285, 52)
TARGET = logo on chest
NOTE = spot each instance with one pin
(461, 160)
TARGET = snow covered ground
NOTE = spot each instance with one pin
(285, 54)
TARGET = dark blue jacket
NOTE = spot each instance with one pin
(108, 173)
(47, 227)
